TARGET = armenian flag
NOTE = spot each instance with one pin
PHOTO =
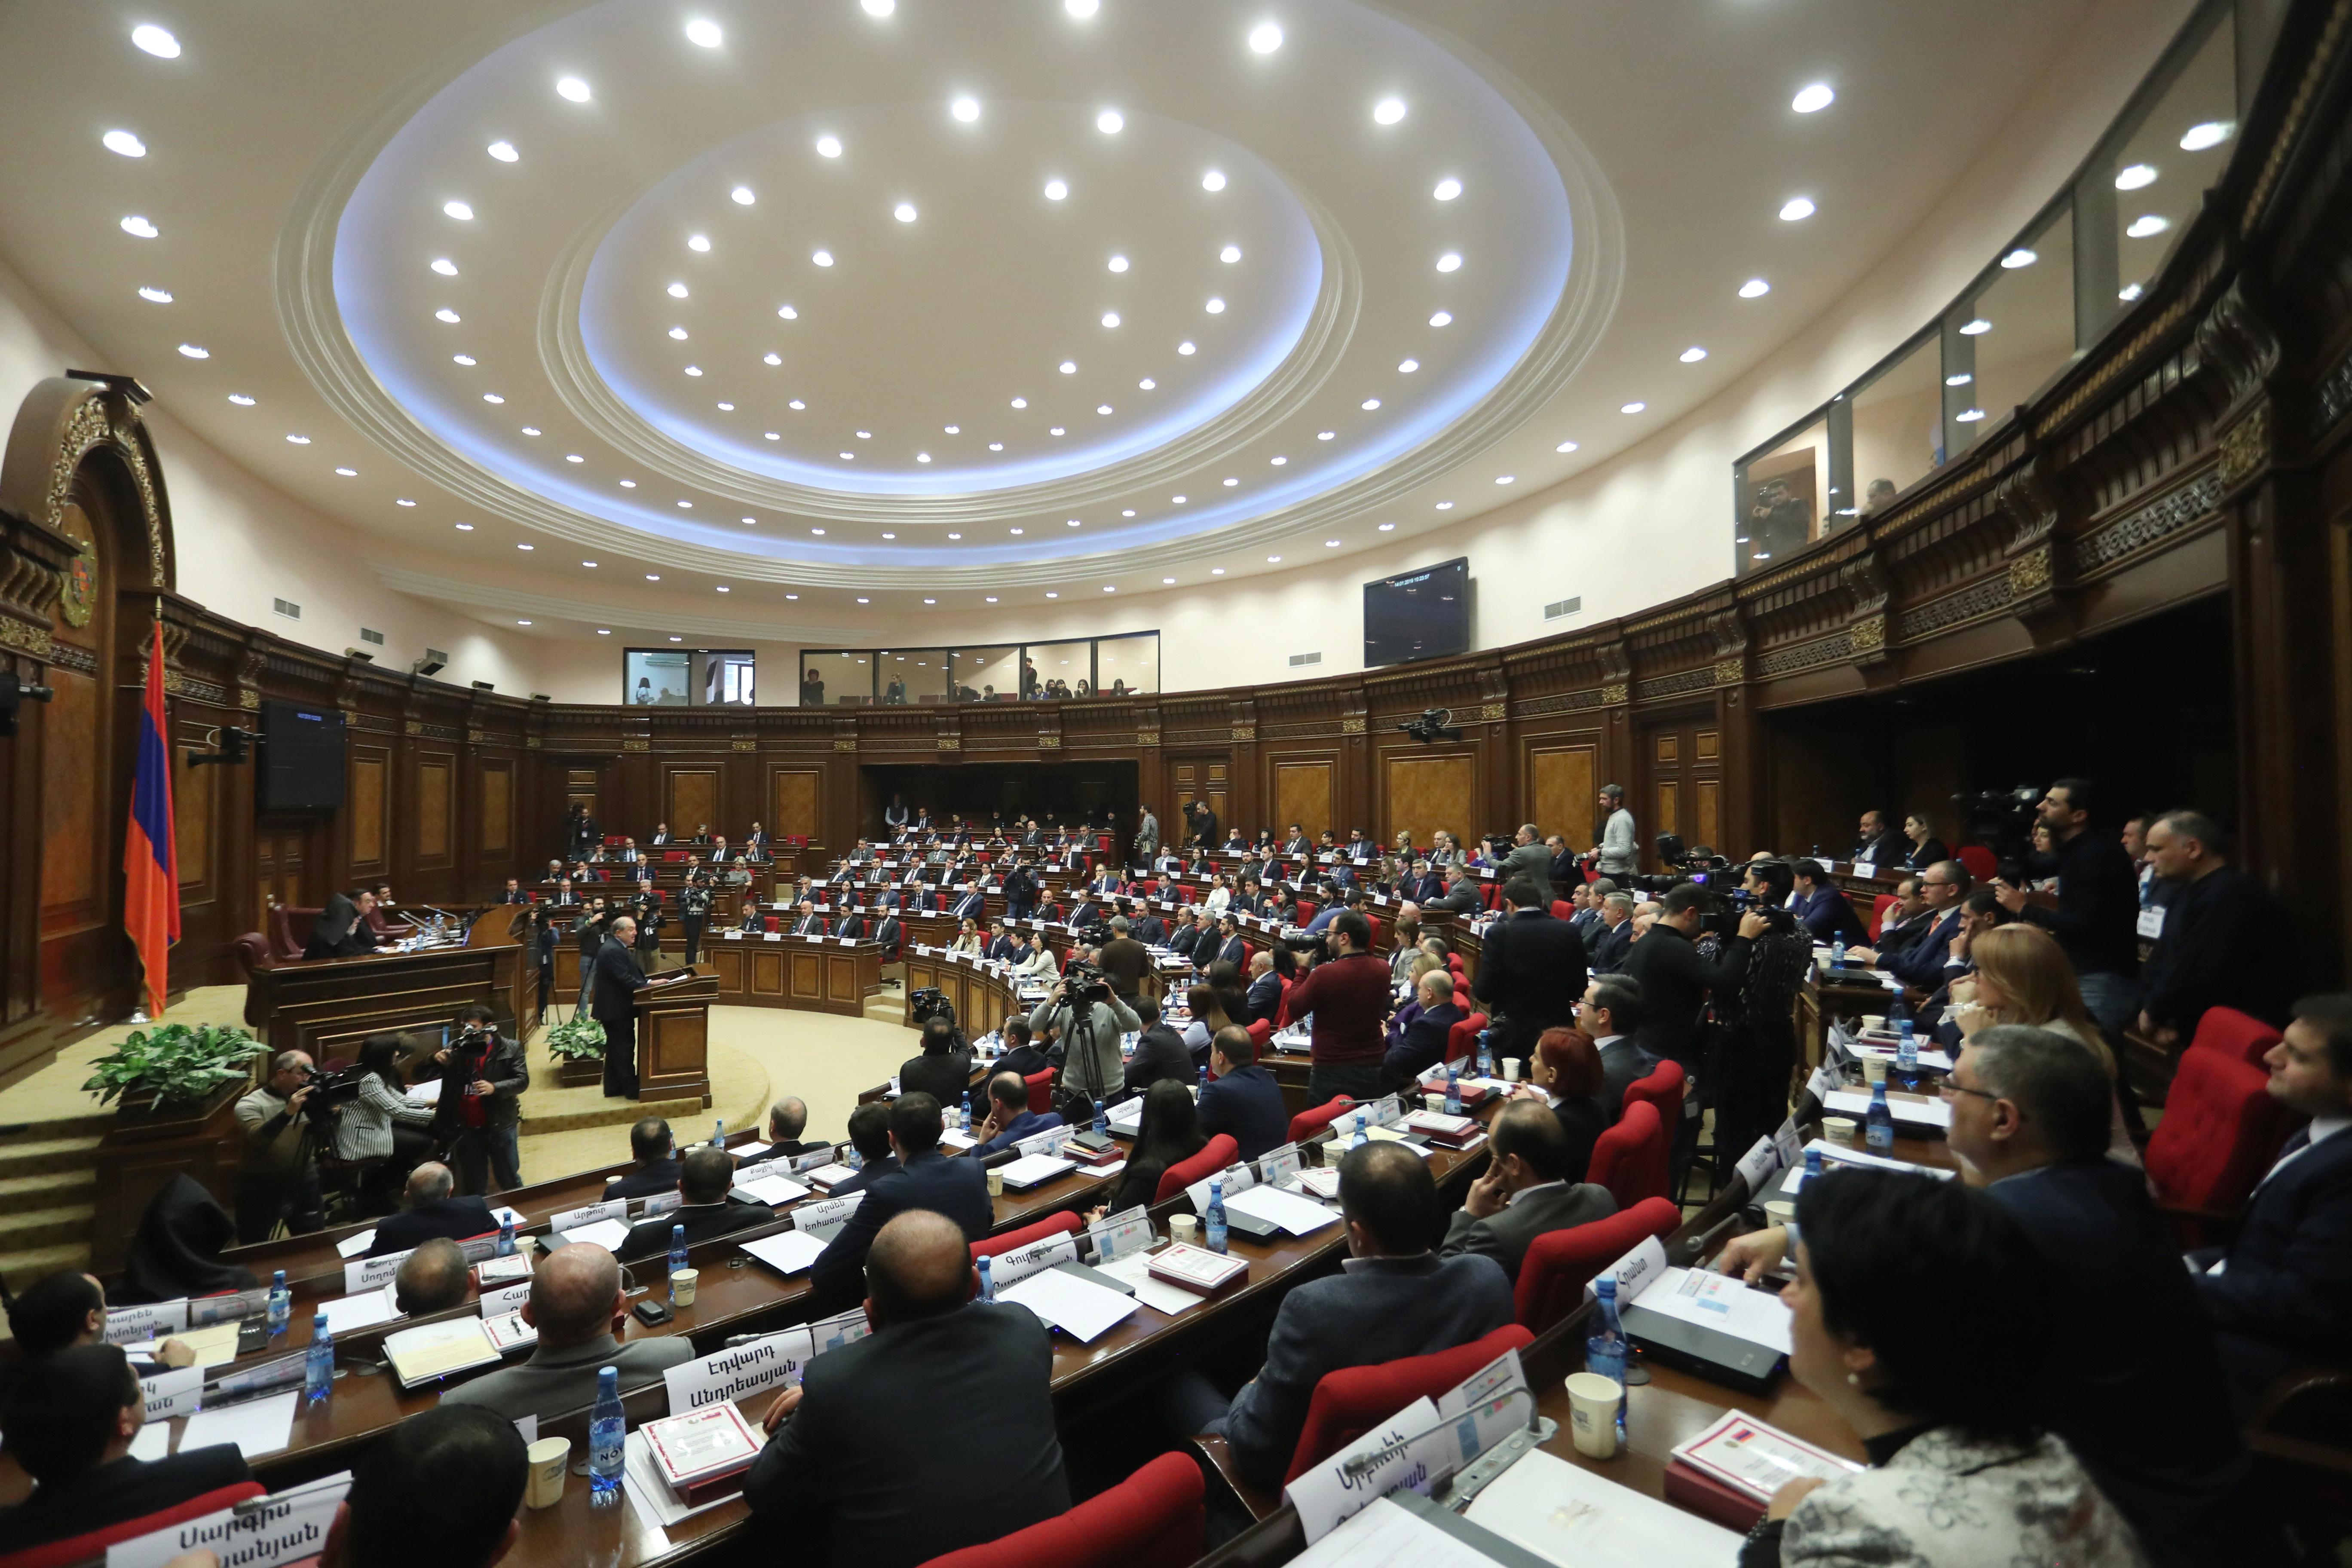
(150, 853)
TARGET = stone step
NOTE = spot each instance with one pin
(54, 1224)
(92, 1122)
(32, 1156)
(42, 1189)
(22, 1266)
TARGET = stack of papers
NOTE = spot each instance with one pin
(1566, 1513)
(435, 1349)
(1079, 1307)
(787, 1251)
(1134, 1269)
(346, 1314)
(257, 1426)
(1722, 1303)
(773, 1191)
(1034, 1170)
(1300, 1216)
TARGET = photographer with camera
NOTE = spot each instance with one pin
(588, 938)
(1756, 1040)
(483, 1076)
(1348, 992)
(1089, 1017)
(693, 909)
(278, 1178)
(1675, 979)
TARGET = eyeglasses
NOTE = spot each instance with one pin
(1948, 1089)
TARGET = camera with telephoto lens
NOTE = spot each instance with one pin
(2001, 820)
(329, 1088)
(1085, 982)
(928, 1003)
(1724, 919)
(1313, 945)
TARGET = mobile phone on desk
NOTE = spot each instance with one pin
(652, 1313)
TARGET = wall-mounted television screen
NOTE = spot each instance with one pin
(301, 757)
(1418, 614)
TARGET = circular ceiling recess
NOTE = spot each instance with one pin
(1060, 288)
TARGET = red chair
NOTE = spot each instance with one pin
(1664, 1089)
(1308, 1123)
(1462, 1039)
(1561, 909)
(1222, 1152)
(1063, 1224)
(1630, 1159)
(1041, 1090)
(1558, 1265)
(1153, 1519)
(1492, 895)
(1261, 1030)
(2221, 1131)
(92, 1547)
(1305, 911)
(1878, 908)
(2239, 1036)
(1978, 860)
(767, 922)
(1352, 1400)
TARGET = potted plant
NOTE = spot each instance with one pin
(578, 1047)
(174, 1069)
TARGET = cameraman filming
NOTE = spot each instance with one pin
(279, 1176)
(1089, 1017)
(1756, 1038)
(483, 1076)
(1348, 992)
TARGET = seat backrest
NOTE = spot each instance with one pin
(1558, 1264)
(1308, 1123)
(290, 928)
(2239, 1036)
(1462, 1039)
(1063, 1224)
(1353, 1400)
(92, 1547)
(1561, 909)
(1662, 1088)
(1878, 908)
(2221, 1131)
(1041, 1090)
(1630, 1159)
(1219, 1152)
(1261, 1030)
(1154, 1519)
(1978, 860)
(1307, 908)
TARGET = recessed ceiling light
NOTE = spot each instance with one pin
(1796, 209)
(604, 631)
(1325, 435)
(996, 445)
(677, 290)
(1111, 122)
(444, 266)
(699, 242)
(1110, 318)
(796, 405)
(965, 109)
(926, 600)
(463, 527)
(156, 41)
(300, 441)
(1185, 347)
(866, 434)
(751, 522)
(1051, 595)
(955, 536)
(1214, 180)
(1448, 189)
(526, 547)
(1442, 319)
(1056, 190)
(135, 225)
(693, 370)
(1632, 408)
(679, 333)
(240, 399)
(573, 457)
(1449, 262)
(446, 314)
(504, 151)
(1118, 264)
(1962, 379)
(588, 563)
(1388, 528)
(1127, 512)
(572, 88)
(772, 357)
(878, 8)
(2211, 133)
(991, 598)
(2133, 176)
(1055, 431)
(1277, 462)
(1371, 402)
(522, 623)
(822, 259)
(1265, 39)
(862, 600)
(904, 212)
(2019, 258)
(125, 143)
(155, 296)
(1231, 482)
(846, 457)
(402, 500)
(704, 32)
(1754, 288)
(686, 505)
(1408, 366)
(1274, 560)
(1081, 9)
(1813, 100)
(1068, 367)
(2129, 292)
(1020, 402)
(1565, 447)
(1446, 506)
(1969, 416)
(1177, 501)
(628, 484)
(1102, 407)
(1977, 328)
(653, 576)
(1231, 253)
(743, 195)
(1691, 354)
(725, 589)
(828, 146)
(1507, 479)
(1147, 383)
(195, 351)
(2147, 224)
(348, 473)
(1388, 111)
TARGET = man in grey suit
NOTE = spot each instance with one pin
(1529, 858)
(1396, 1298)
(580, 1310)
(1525, 1191)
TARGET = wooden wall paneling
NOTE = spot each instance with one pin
(1563, 784)
(195, 814)
(496, 831)
(796, 802)
(690, 800)
(435, 810)
(1303, 792)
(367, 809)
(1424, 790)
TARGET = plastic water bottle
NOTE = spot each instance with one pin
(1486, 1053)
(676, 1258)
(1813, 1163)
(608, 1429)
(1606, 1349)
(1453, 1091)
(281, 1305)
(855, 1160)
(1215, 1227)
(319, 1363)
(506, 1235)
(718, 1134)
(1362, 1136)
(1102, 1121)
(1837, 951)
(987, 1283)
(1906, 1044)
(1880, 1128)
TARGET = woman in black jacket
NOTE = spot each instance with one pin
(1169, 1136)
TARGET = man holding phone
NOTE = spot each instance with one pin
(2094, 911)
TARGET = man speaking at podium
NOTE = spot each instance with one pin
(617, 980)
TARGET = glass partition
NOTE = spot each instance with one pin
(1784, 495)
(917, 675)
(2163, 168)
(654, 678)
(1072, 671)
(2020, 327)
(1899, 426)
(837, 678)
(987, 674)
(1060, 671)
(1126, 665)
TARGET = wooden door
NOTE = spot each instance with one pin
(1195, 780)
(277, 871)
(1682, 762)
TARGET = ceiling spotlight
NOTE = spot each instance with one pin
(402, 500)
(300, 441)
(1962, 379)
(926, 600)
(796, 405)
(1055, 431)
(1185, 347)
(955, 536)
(1325, 434)
(446, 314)
(1277, 462)
(1102, 408)
(890, 536)
(1330, 544)
(1147, 383)
(743, 195)
(1796, 209)
(463, 527)
(1388, 528)
(1813, 100)
(1118, 264)
(1170, 581)
(1216, 571)
(526, 547)
(2019, 258)
(135, 225)
(726, 408)
(1442, 319)
(1215, 307)
(524, 622)
(677, 290)
(704, 32)
(1111, 122)
(492, 397)
(1632, 408)
(458, 210)
(1754, 288)
(240, 399)
(698, 242)
(1446, 506)
(1408, 366)
(1969, 416)
(1976, 329)
(996, 445)
(751, 522)
(1231, 253)
(1388, 111)
(823, 258)
(1214, 180)
(1056, 190)
(1070, 367)
(693, 370)
(1692, 354)
(904, 212)
(866, 434)
(1020, 402)
(686, 505)
(1565, 447)
(2131, 177)
(1274, 560)
(124, 142)
(1129, 512)
(788, 312)
(878, 8)
(1448, 189)
(817, 530)
(504, 151)
(2147, 224)
(444, 266)
(1081, 9)
(628, 484)
(2211, 133)
(2129, 292)
(679, 333)
(1506, 478)
(572, 88)
(1073, 523)
(1176, 501)
(573, 457)
(604, 631)
(463, 359)
(771, 358)
(156, 41)
(846, 457)
(1265, 39)
(1449, 262)
(828, 146)
(155, 296)
(965, 109)
(1370, 404)
(192, 352)
(953, 430)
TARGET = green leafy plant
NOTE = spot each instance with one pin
(581, 1040)
(175, 1063)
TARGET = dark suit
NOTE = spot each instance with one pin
(1385, 1310)
(1530, 975)
(1247, 1103)
(2284, 1297)
(957, 1188)
(1233, 951)
(1828, 915)
(916, 1440)
(1920, 964)
(968, 907)
(1503, 1234)
(1264, 997)
(1158, 1053)
(1607, 947)
(1622, 1062)
(945, 1076)
(650, 1238)
(1423, 1045)
(617, 979)
(111, 1493)
(876, 1167)
(1675, 981)
(454, 1218)
(2224, 945)
(645, 1181)
(1148, 930)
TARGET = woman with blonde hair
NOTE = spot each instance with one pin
(2022, 977)
(968, 938)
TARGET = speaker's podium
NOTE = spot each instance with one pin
(674, 1034)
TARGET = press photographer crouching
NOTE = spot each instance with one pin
(483, 1076)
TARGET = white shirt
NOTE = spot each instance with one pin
(1531, 1191)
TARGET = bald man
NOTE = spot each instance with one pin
(431, 1280)
(580, 1312)
(429, 1207)
(934, 1432)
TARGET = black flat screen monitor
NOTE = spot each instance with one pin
(1418, 614)
(301, 758)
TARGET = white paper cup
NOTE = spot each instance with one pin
(682, 1283)
(1511, 1070)
(1435, 1101)
(996, 1183)
(550, 1458)
(1592, 1402)
(1874, 1021)
(1873, 1070)
(1839, 1129)
(1184, 1228)
(1780, 1210)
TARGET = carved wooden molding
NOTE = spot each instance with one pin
(1613, 693)
(2246, 445)
(628, 745)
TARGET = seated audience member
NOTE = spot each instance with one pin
(2022, 977)
(65, 1309)
(1961, 1469)
(1611, 1016)
(852, 1474)
(1921, 965)
(655, 1170)
(1009, 1119)
(925, 1179)
(943, 1069)
(2281, 1293)
(1422, 1046)
(1263, 997)
(1396, 1298)
(578, 1308)
(433, 1278)
(704, 1178)
(2124, 1361)
(69, 1422)
(787, 1119)
(1821, 906)
(1240, 1096)
(1922, 848)
(1608, 940)
(869, 1134)
(2220, 942)
(429, 1211)
(1566, 1074)
(1906, 921)
(1169, 1136)
(1980, 912)
(1531, 1185)
(1160, 1051)
(470, 1463)
(1023, 1053)
(1209, 1016)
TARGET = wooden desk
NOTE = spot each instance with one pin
(816, 976)
(328, 1007)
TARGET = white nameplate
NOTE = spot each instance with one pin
(263, 1533)
(506, 1299)
(1236, 1178)
(1636, 1270)
(659, 1204)
(1278, 1165)
(170, 1393)
(824, 1218)
(740, 1370)
(573, 1219)
(1116, 1236)
(372, 1273)
(236, 1304)
(127, 1325)
(1019, 1262)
